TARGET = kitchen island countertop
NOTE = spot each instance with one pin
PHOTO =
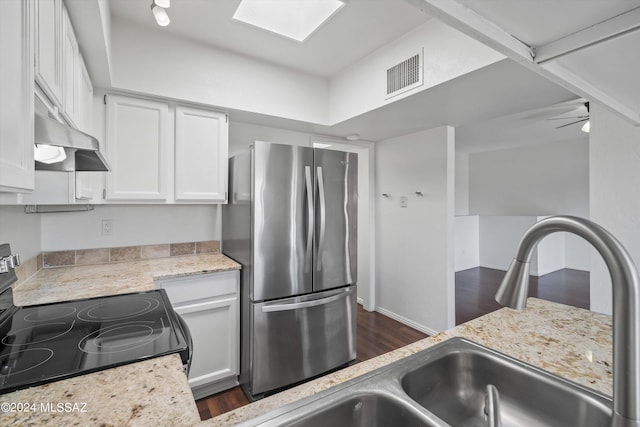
(153, 392)
(570, 342)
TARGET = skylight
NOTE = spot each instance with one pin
(295, 19)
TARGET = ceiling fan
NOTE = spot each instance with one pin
(578, 119)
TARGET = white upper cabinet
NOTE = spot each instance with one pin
(16, 102)
(161, 153)
(85, 99)
(137, 148)
(70, 71)
(48, 48)
(200, 155)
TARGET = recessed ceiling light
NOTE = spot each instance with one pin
(295, 19)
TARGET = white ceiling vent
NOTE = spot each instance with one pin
(404, 76)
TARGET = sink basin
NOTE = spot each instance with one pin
(446, 385)
(453, 387)
(371, 410)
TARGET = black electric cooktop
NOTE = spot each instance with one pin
(50, 342)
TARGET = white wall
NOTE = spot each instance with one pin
(414, 245)
(467, 241)
(499, 237)
(154, 62)
(541, 179)
(20, 230)
(614, 200)
(578, 254)
(462, 184)
(132, 224)
(551, 253)
(448, 54)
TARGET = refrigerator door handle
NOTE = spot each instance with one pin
(310, 219)
(304, 304)
(323, 213)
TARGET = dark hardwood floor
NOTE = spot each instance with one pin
(475, 288)
(376, 334)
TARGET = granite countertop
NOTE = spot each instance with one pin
(154, 392)
(57, 284)
(570, 342)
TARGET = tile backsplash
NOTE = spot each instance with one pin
(128, 253)
(106, 255)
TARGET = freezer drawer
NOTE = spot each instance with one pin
(298, 338)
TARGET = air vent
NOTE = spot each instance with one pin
(404, 76)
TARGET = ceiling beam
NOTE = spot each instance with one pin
(476, 26)
(610, 29)
(488, 32)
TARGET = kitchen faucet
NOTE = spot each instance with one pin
(626, 304)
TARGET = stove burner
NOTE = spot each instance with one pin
(38, 334)
(14, 363)
(118, 310)
(49, 313)
(121, 337)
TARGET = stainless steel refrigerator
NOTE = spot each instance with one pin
(291, 223)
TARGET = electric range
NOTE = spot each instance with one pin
(50, 342)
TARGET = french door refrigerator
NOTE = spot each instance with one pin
(291, 223)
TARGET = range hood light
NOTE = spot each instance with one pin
(49, 154)
(586, 127)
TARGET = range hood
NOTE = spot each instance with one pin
(62, 148)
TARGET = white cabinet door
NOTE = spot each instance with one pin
(48, 48)
(209, 304)
(85, 99)
(213, 327)
(16, 102)
(137, 148)
(200, 155)
(70, 77)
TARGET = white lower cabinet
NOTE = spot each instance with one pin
(209, 304)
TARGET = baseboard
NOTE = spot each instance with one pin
(406, 321)
(208, 389)
(360, 301)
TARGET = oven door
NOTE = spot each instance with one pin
(298, 338)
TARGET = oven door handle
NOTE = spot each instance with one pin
(187, 334)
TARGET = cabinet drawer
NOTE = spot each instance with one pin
(199, 287)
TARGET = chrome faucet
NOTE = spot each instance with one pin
(626, 304)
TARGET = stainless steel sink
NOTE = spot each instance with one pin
(447, 385)
(453, 387)
(370, 409)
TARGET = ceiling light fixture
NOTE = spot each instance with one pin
(293, 19)
(586, 127)
(158, 8)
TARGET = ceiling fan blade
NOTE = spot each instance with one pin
(572, 123)
(568, 118)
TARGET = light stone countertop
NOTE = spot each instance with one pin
(570, 342)
(153, 392)
(57, 284)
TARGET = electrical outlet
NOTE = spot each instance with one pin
(107, 227)
(403, 201)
